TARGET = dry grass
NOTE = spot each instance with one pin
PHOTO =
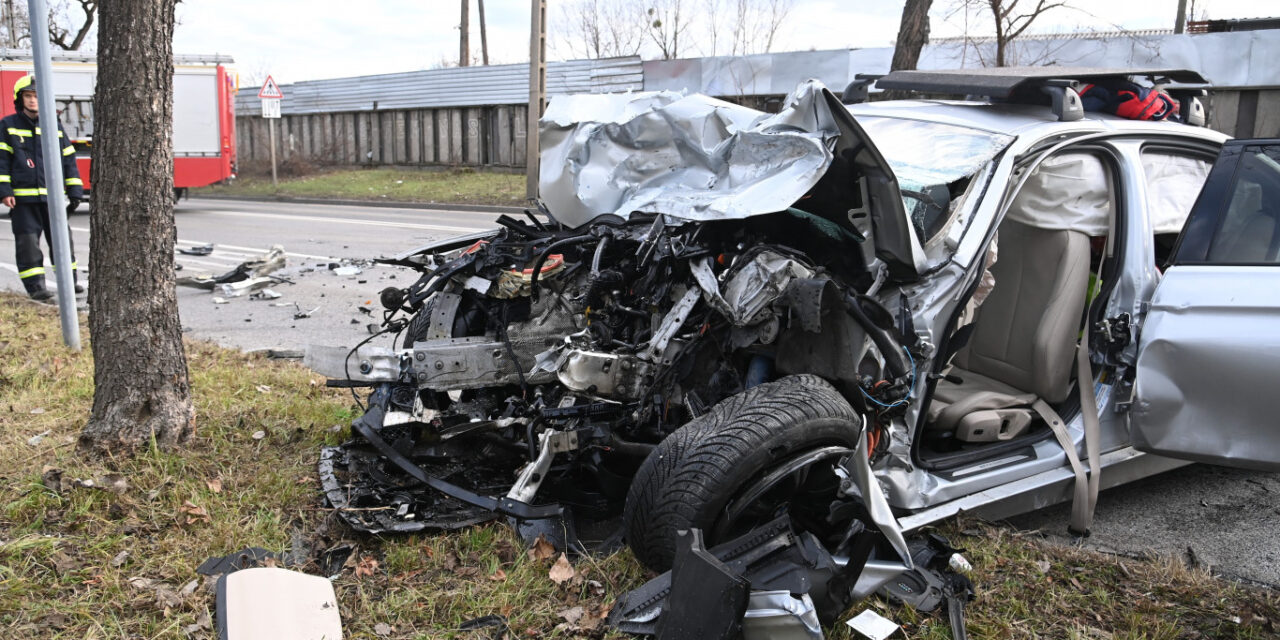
(451, 186)
(70, 556)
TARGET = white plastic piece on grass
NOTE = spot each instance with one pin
(873, 625)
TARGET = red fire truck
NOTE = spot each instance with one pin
(204, 121)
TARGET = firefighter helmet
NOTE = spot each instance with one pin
(25, 83)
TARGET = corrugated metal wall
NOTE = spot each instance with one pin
(473, 116)
(473, 136)
(457, 87)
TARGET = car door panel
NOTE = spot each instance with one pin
(1208, 366)
(1209, 351)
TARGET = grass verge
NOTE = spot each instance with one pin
(452, 186)
(118, 559)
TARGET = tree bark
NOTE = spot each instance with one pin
(913, 33)
(141, 390)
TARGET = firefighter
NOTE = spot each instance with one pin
(23, 189)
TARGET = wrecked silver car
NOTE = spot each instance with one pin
(863, 318)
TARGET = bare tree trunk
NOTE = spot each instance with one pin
(484, 38)
(141, 390)
(913, 33)
(464, 41)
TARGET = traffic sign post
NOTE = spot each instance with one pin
(271, 96)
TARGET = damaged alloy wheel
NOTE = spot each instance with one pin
(767, 449)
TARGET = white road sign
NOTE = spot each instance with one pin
(271, 107)
(270, 89)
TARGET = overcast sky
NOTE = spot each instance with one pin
(309, 39)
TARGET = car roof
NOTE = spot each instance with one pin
(1020, 119)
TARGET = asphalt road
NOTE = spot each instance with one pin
(314, 237)
(1223, 518)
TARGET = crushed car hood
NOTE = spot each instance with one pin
(702, 159)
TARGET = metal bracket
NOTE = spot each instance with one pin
(550, 442)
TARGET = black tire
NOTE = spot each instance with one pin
(690, 478)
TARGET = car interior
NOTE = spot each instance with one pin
(1021, 342)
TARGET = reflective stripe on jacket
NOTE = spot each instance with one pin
(22, 161)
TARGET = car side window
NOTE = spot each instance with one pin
(1249, 232)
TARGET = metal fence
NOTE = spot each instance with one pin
(471, 116)
(472, 136)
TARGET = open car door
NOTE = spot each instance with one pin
(1208, 376)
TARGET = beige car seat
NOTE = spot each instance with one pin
(1024, 337)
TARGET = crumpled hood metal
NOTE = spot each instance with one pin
(690, 157)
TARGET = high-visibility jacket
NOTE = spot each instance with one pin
(22, 161)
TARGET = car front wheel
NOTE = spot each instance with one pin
(769, 450)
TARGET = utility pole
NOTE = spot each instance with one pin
(484, 38)
(50, 147)
(8, 15)
(537, 91)
(464, 43)
(1180, 24)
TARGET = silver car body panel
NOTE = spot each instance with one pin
(938, 296)
(1205, 386)
(690, 157)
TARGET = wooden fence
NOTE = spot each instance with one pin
(459, 136)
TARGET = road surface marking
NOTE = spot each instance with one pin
(255, 252)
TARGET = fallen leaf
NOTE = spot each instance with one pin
(561, 572)
(467, 572)
(366, 566)
(541, 549)
(65, 563)
(498, 576)
(143, 584)
(596, 587)
(189, 513)
(120, 558)
(167, 598)
(189, 588)
(591, 621)
(55, 621)
(215, 485)
(113, 482)
(450, 562)
(52, 479)
(573, 614)
(1043, 566)
(383, 629)
(259, 434)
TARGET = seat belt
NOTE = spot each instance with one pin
(1086, 485)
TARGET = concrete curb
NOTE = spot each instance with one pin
(434, 206)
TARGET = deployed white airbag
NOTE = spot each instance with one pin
(1173, 184)
(1071, 191)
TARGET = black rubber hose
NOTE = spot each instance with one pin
(628, 448)
(894, 357)
(599, 255)
(542, 259)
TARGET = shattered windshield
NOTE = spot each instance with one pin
(934, 163)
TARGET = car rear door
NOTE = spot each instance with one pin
(1207, 386)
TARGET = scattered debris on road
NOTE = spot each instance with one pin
(198, 250)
